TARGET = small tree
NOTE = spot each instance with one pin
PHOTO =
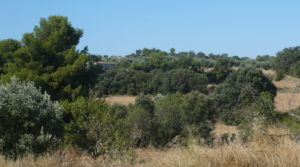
(30, 121)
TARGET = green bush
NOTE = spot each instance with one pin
(141, 121)
(30, 121)
(183, 81)
(168, 114)
(94, 128)
(199, 112)
(190, 115)
(241, 89)
(279, 76)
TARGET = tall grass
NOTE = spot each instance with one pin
(263, 151)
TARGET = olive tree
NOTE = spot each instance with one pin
(30, 121)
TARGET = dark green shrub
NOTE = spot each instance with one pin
(199, 112)
(141, 121)
(30, 121)
(241, 89)
(184, 81)
(279, 76)
(191, 115)
(119, 110)
(168, 114)
(221, 70)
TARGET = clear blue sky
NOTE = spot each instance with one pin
(119, 27)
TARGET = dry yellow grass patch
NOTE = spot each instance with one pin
(287, 101)
(290, 98)
(221, 128)
(288, 82)
(125, 100)
(269, 72)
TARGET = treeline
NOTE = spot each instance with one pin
(134, 82)
(50, 94)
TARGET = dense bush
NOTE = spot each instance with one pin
(168, 115)
(141, 121)
(93, 127)
(30, 121)
(241, 89)
(183, 81)
(287, 61)
(221, 70)
(157, 122)
(190, 115)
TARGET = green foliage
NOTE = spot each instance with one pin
(124, 81)
(241, 89)
(94, 128)
(191, 115)
(141, 121)
(291, 121)
(199, 112)
(7, 49)
(221, 70)
(48, 56)
(160, 121)
(30, 121)
(119, 110)
(259, 115)
(279, 76)
(183, 81)
(287, 62)
(168, 114)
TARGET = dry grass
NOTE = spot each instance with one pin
(221, 128)
(290, 97)
(125, 100)
(264, 151)
(287, 82)
(287, 101)
(259, 153)
(269, 72)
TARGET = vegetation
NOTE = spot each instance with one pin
(48, 57)
(241, 89)
(51, 99)
(30, 121)
(93, 127)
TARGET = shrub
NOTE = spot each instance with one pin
(141, 121)
(241, 89)
(30, 121)
(199, 111)
(94, 128)
(168, 114)
(184, 81)
(119, 110)
(190, 115)
(279, 76)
